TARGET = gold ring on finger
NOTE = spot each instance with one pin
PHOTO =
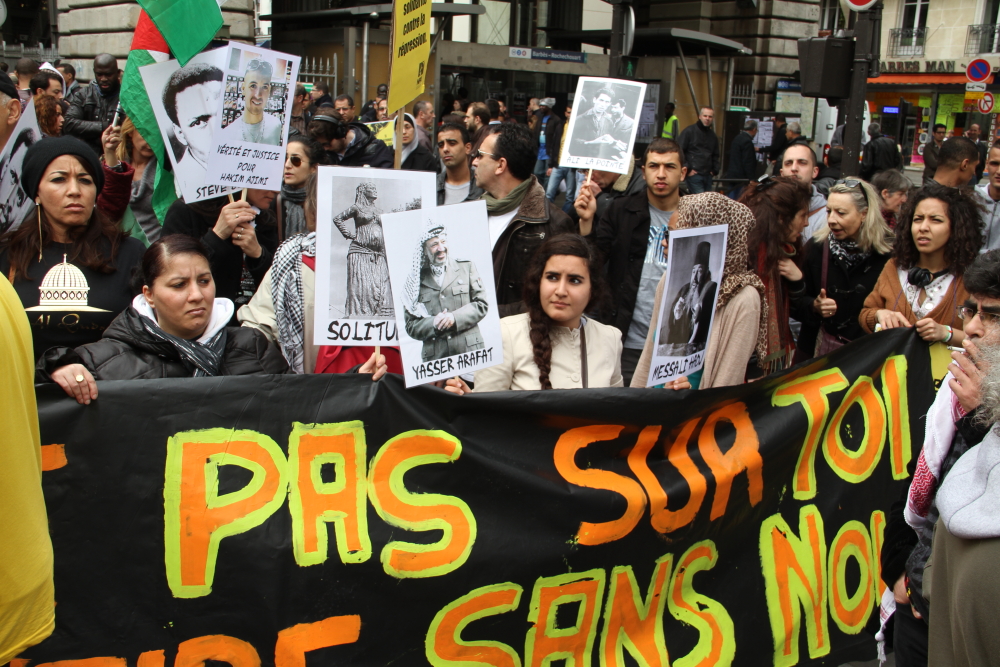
(79, 378)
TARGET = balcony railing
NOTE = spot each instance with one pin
(983, 38)
(907, 41)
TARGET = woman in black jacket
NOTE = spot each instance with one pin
(415, 156)
(240, 238)
(175, 328)
(843, 263)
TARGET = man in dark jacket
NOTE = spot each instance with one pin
(629, 236)
(880, 153)
(743, 158)
(931, 150)
(92, 108)
(779, 140)
(520, 216)
(320, 95)
(973, 134)
(700, 145)
(547, 134)
(348, 144)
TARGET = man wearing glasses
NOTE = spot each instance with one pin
(520, 216)
(952, 429)
(255, 125)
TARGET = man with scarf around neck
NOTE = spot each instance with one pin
(953, 427)
(520, 216)
(629, 235)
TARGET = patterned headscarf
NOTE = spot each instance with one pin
(411, 290)
(712, 208)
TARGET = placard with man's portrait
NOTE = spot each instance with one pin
(695, 261)
(185, 101)
(441, 272)
(603, 124)
(252, 119)
(15, 205)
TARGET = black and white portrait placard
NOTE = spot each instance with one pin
(354, 303)
(252, 121)
(602, 127)
(441, 270)
(185, 101)
(15, 204)
(695, 260)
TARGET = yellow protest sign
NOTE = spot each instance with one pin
(382, 129)
(411, 47)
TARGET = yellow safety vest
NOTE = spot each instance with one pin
(669, 125)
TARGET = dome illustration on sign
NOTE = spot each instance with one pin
(64, 287)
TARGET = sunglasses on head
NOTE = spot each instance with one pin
(854, 183)
(262, 65)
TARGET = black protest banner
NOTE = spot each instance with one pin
(317, 520)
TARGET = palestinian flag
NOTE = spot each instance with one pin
(148, 47)
(186, 25)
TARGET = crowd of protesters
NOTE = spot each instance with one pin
(814, 261)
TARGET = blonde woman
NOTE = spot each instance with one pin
(842, 264)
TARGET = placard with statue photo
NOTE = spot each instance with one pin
(441, 270)
(354, 303)
(602, 127)
(695, 261)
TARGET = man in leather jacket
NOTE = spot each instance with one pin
(348, 144)
(92, 107)
(880, 153)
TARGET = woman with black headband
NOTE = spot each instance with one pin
(842, 262)
(938, 235)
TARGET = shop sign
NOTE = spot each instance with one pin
(548, 55)
(914, 66)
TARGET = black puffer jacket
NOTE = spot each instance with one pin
(89, 114)
(366, 150)
(128, 352)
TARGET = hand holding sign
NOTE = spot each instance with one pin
(231, 216)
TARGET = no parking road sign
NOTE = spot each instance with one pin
(978, 70)
(986, 103)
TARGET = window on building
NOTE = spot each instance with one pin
(908, 38)
(914, 14)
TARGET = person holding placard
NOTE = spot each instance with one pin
(553, 346)
(641, 220)
(255, 125)
(739, 328)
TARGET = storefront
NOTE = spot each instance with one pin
(935, 90)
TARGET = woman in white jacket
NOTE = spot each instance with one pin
(553, 346)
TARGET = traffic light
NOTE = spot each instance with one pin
(825, 66)
(905, 108)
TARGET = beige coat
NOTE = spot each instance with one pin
(518, 370)
(259, 314)
(730, 346)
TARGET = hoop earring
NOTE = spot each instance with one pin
(38, 211)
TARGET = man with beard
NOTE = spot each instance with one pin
(445, 299)
(691, 313)
(92, 108)
(255, 125)
(954, 425)
(593, 129)
(191, 100)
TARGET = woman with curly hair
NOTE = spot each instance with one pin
(553, 346)
(843, 262)
(49, 112)
(780, 206)
(938, 235)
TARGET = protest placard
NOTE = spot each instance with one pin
(251, 125)
(603, 125)
(14, 202)
(687, 312)
(441, 271)
(353, 297)
(185, 101)
(409, 49)
(383, 130)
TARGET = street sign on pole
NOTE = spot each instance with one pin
(986, 103)
(975, 87)
(858, 5)
(978, 70)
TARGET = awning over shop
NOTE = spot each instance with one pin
(921, 79)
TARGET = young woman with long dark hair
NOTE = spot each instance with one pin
(553, 345)
(780, 206)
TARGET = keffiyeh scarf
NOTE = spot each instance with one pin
(288, 296)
